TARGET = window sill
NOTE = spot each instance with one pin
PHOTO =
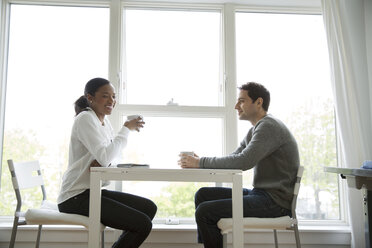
(184, 227)
(184, 235)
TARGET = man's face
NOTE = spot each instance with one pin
(247, 109)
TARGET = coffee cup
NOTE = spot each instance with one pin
(131, 117)
(186, 153)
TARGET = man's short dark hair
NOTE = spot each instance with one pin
(256, 90)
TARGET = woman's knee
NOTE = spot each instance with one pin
(139, 223)
(152, 209)
(146, 227)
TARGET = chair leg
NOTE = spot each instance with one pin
(275, 238)
(224, 240)
(14, 232)
(297, 236)
(103, 238)
(38, 236)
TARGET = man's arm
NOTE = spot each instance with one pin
(244, 142)
(266, 138)
(193, 161)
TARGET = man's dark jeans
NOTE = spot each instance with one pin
(214, 203)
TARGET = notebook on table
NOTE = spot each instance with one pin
(131, 165)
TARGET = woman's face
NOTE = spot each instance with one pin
(103, 102)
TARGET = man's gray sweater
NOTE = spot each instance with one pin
(272, 151)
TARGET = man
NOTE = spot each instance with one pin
(269, 148)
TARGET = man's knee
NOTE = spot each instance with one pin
(199, 195)
(202, 212)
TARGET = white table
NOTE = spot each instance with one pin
(180, 175)
(360, 179)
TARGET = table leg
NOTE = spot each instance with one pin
(94, 210)
(237, 214)
(368, 217)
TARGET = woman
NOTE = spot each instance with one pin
(94, 144)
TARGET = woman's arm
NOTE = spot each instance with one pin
(100, 146)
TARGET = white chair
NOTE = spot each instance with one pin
(279, 223)
(28, 175)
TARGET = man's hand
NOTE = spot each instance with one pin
(189, 161)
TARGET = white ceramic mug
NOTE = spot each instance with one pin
(131, 117)
(186, 153)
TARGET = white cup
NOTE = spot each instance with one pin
(186, 153)
(131, 117)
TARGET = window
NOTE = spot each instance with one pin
(288, 54)
(172, 56)
(172, 63)
(51, 57)
(172, 76)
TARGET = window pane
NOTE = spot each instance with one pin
(172, 55)
(159, 144)
(288, 54)
(53, 52)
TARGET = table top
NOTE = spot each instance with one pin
(158, 174)
(360, 172)
(165, 170)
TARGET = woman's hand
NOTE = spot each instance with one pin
(189, 161)
(135, 124)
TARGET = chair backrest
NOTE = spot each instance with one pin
(25, 175)
(300, 172)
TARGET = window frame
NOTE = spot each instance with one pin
(222, 111)
(4, 44)
(175, 7)
(344, 217)
(228, 67)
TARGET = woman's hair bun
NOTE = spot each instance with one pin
(81, 105)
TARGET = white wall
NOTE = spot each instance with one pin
(358, 20)
(182, 238)
(368, 31)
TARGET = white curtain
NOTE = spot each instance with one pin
(345, 28)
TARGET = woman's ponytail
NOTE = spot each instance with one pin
(81, 105)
